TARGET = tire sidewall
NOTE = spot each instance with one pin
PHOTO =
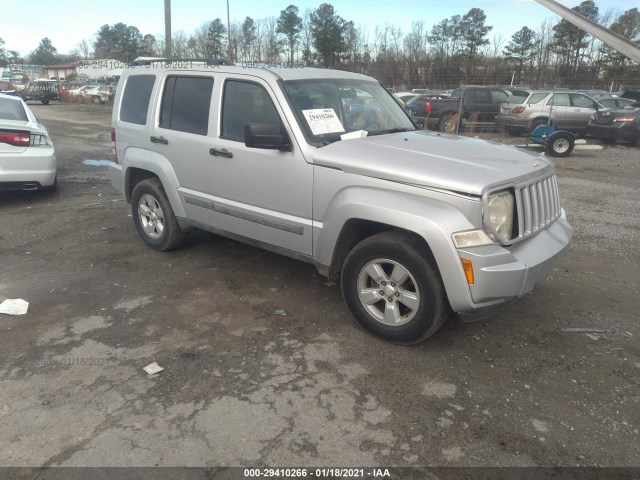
(425, 278)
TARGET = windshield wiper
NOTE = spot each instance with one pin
(329, 141)
(390, 130)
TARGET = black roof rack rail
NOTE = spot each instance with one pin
(207, 61)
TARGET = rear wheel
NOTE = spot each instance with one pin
(515, 131)
(153, 216)
(449, 123)
(536, 123)
(393, 288)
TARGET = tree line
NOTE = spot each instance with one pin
(459, 49)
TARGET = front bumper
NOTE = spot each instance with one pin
(503, 274)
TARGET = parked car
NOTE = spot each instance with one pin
(405, 96)
(415, 224)
(614, 102)
(42, 90)
(101, 94)
(564, 109)
(632, 94)
(27, 156)
(470, 105)
(622, 124)
(83, 90)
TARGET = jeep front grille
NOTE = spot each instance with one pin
(538, 206)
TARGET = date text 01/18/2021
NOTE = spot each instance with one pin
(316, 473)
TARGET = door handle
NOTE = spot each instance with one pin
(161, 140)
(221, 152)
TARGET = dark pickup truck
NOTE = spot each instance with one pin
(477, 106)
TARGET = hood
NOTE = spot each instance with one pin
(435, 160)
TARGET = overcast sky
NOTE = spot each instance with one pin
(67, 22)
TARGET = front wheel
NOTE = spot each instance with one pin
(153, 216)
(393, 288)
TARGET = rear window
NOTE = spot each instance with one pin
(186, 103)
(12, 110)
(517, 97)
(135, 99)
(498, 96)
(536, 98)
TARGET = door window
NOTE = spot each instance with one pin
(559, 100)
(243, 103)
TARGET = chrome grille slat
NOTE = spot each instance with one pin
(538, 205)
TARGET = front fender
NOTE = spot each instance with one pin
(431, 219)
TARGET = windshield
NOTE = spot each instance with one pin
(326, 109)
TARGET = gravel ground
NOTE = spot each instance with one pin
(244, 387)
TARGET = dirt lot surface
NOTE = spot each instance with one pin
(245, 387)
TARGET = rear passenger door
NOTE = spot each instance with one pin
(179, 137)
(260, 194)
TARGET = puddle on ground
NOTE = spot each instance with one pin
(98, 163)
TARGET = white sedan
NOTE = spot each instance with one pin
(27, 156)
(83, 91)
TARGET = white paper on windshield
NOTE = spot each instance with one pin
(323, 120)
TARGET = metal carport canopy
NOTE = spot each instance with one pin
(609, 38)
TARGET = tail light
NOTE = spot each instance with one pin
(519, 109)
(114, 152)
(594, 117)
(427, 107)
(347, 108)
(17, 139)
(624, 119)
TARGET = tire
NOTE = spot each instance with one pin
(153, 216)
(408, 312)
(448, 123)
(514, 131)
(96, 100)
(45, 102)
(536, 123)
(560, 144)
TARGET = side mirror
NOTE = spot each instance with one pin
(267, 136)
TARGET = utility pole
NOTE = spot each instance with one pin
(167, 29)
(229, 50)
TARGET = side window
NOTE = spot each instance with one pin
(245, 102)
(135, 99)
(559, 100)
(581, 101)
(185, 104)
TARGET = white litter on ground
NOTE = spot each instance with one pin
(15, 306)
(153, 368)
